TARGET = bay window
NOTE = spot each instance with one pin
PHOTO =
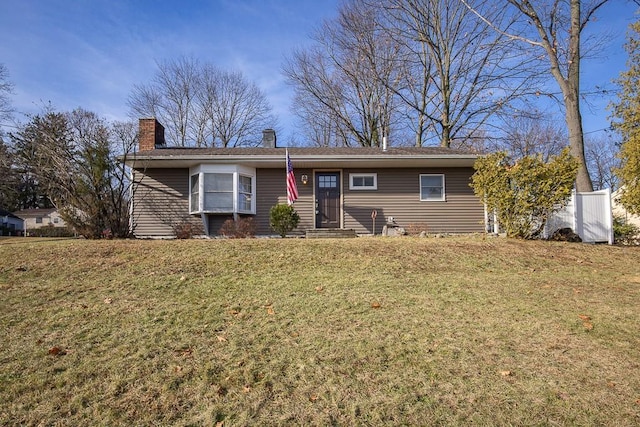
(222, 189)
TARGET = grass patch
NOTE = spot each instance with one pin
(367, 331)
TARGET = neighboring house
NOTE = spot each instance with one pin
(10, 224)
(38, 218)
(620, 212)
(424, 188)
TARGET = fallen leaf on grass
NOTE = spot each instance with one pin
(246, 389)
(375, 304)
(221, 338)
(319, 289)
(270, 309)
(57, 351)
(586, 321)
(186, 352)
(506, 373)
(108, 300)
(313, 397)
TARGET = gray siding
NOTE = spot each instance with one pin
(161, 202)
(398, 196)
(271, 189)
(162, 197)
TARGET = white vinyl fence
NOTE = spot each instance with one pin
(588, 215)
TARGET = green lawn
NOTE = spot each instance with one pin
(367, 331)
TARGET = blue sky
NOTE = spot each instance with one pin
(90, 53)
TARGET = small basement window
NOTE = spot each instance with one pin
(432, 187)
(363, 181)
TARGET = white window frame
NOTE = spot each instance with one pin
(250, 194)
(194, 191)
(219, 192)
(431, 199)
(236, 171)
(352, 186)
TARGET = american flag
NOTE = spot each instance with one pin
(292, 189)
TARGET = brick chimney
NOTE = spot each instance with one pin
(151, 134)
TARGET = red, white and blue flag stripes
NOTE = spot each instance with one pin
(292, 188)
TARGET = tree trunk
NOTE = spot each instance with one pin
(576, 139)
(571, 92)
(570, 86)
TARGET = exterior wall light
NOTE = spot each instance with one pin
(304, 179)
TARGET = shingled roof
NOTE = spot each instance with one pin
(315, 151)
(304, 156)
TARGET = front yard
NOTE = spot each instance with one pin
(367, 331)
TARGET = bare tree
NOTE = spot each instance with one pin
(6, 88)
(431, 67)
(535, 133)
(601, 155)
(556, 28)
(9, 179)
(458, 73)
(341, 78)
(236, 109)
(203, 106)
(169, 97)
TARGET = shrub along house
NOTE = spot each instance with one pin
(339, 188)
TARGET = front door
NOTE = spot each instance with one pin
(327, 199)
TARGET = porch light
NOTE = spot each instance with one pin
(304, 179)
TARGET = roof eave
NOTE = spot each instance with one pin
(304, 161)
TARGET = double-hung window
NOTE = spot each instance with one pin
(245, 193)
(195, 193)
(222, 189)
(432, 187)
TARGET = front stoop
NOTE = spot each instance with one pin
(330, 233)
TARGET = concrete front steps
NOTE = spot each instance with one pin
(330, 233)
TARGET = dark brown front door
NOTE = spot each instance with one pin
(327, 199)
